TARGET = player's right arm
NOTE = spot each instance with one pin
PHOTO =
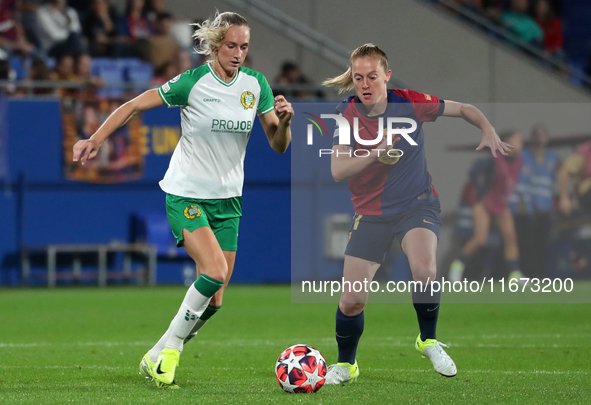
(344, 164)
(475, 117)
(88, 148)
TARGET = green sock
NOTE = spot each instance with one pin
(208, 313)
(193, 306)
(207, 286)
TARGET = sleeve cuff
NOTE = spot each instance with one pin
(440, 109)
(163, 98)
(268, 110)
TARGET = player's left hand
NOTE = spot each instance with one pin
(492, 140)
(283, 110)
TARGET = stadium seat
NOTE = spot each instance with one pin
(137, 72)
(577, 72)
(50, 62)
(112, 72)
(18, 66)
(152, 227)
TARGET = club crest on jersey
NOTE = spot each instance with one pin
(175, 79)
(392, 156)
(247, 99)
(192, 212)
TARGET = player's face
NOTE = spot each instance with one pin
(231, 54)
(370, 80)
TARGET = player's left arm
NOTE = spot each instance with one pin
(475, 117)
(276, 124)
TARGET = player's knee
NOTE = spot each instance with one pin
(423, 269)
(351, 308)
(220, 272)
(425, 275)
(217, 269)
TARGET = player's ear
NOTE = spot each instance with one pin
(388, 75)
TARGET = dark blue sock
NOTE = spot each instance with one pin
(427, 308)
(348, 332)
(512, 265)
(463, 258)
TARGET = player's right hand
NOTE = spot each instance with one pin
(384, 144)
(493, 141)
(85, 149)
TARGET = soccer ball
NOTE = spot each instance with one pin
(300, 368)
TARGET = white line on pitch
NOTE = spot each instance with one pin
(514, 372)
(75, 366)
(44, 344)
(517, 372)
(375, 341)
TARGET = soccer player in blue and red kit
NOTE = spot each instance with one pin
(393, 197)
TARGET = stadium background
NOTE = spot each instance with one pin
(83, 344)
(41, 207)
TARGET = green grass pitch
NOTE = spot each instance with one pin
(83, 345)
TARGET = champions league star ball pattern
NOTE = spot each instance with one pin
(300, 368)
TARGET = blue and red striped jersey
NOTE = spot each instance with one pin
(399, 184)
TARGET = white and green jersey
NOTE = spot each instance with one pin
(216, 121)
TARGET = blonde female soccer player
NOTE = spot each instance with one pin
(203, 183)
(393, 197)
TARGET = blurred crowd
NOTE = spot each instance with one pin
(538, 25)
(90, 44)
(532, 22)
(59, 39)
(528, 199)
(292, 83)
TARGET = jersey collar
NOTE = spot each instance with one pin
(219, 79)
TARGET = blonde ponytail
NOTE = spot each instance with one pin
(344, 81)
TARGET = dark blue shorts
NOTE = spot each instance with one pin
(371, 236)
